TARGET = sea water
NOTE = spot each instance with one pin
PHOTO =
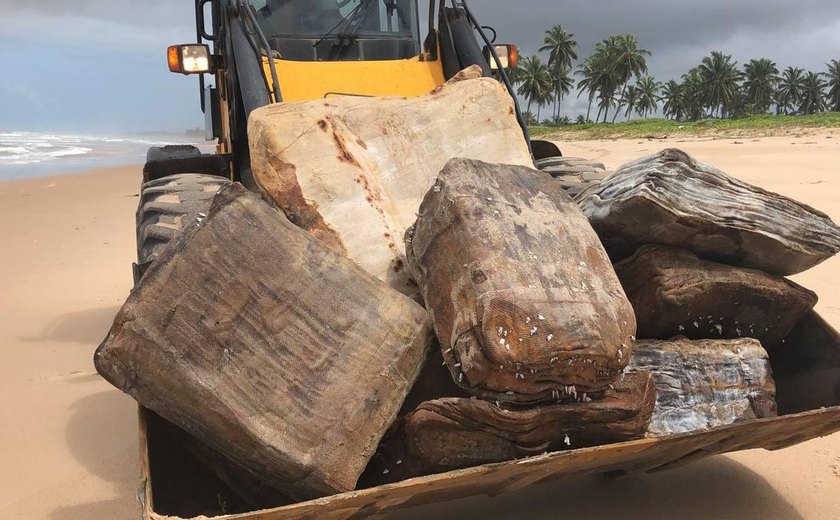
(31, 154)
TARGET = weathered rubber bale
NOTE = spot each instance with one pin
(352, 170)
(523, 296)
(456, 433)
(573, 173)
(672, 199)
(707, 383)
(275, 351)
(674, 293)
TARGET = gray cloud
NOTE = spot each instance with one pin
(678, 33)
(148, 12)
(81, 23)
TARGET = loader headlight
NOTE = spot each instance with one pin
(189, 59)
(508, 55)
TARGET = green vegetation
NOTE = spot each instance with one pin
(615, 81)
(751, 126)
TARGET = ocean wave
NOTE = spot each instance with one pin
(11, 151)
(72, 150)
(20, 148)
(25, 154)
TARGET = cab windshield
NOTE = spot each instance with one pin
(340, 29)
(319, 17)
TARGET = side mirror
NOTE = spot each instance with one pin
(189, 59)
(508, 55)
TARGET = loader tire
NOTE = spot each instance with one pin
(169, 205)
(573, 173)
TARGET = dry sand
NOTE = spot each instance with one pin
(69, 441)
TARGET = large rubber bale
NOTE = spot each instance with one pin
(524, 299)
(672, 199)
(273, 350)
(675, 293)
(707, 383)
(352, 171)
(456, 433)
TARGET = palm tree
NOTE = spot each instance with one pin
(561, 48)
(605, 79)
(813, 94)
(628, 60)
(562, 83)
(628, 100)
(834, 83)
(588, 82)
(693, 100)
(719, 77)
(546, 93)
(673, 97)
(647, 95)
(534, 81)
(789, 93)
(760, 78)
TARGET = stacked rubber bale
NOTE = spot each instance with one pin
(574, 174)
(703, 259)
(534, 328)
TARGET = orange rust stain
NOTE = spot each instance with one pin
(286, 193)
(372, 196)
(344, 154)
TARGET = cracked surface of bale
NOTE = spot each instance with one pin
(456, 433)
(675, 293)
(707, 383)
(672, 199)
(521, 292)
(353, 170)
(267, 346)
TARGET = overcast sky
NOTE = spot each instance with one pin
(98, 66)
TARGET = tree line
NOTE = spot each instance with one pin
(615, 81)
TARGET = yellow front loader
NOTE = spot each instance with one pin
(253, 53)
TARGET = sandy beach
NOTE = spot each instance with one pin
(69, 440)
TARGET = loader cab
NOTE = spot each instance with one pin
(328, 48)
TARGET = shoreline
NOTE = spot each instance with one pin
(71, 440)
(91, 172)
